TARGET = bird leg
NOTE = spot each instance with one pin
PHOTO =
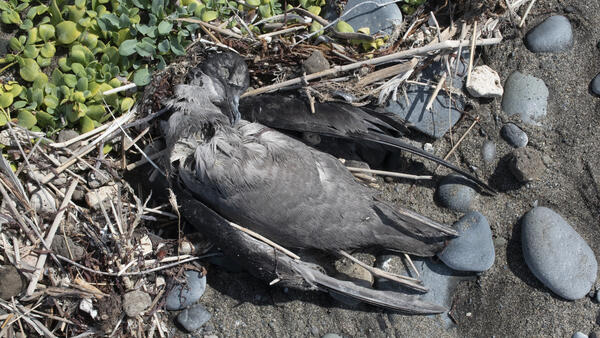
(410, 282)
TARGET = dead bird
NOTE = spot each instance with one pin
(223, 168)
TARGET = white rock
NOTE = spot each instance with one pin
(95, 197)
(484, 82)
(41, 199)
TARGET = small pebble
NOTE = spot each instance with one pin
(526, 164)
(10, 282)
(553, 35)
(193, 318)
(488, 151)
(597, 296)
(579, 335)
(484, 82)
(41, 199)
(514, 135)
(67, 248)
(315, 63)
(93, 198)
(595, 85)
(557, 255)
(331, 335)
(428, 147)
(135, 302)
(526, 96)
(455, 193)
(67, 134)
(186, 294)
(473, 250)
(97, 178)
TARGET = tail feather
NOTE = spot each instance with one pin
(387, 299)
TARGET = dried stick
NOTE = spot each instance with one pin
(214, 28)
(119, 89)
(388, 173)
(17, 215)
(472, 56)
(448, 44)
(266, 240)
(283, 31)
(49, 238)
(436, 91)
(387, 72)
(526, 13)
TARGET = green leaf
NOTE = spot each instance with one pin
(45, 119)
(30, 52)
(43, 62)
(51, 101)
(15, 44)
(6, 99)
(48, 50)
(142, 77)
(176, 47)
(32, 36)
(164, 46)
(144, 49)
(157, 7)
(82, 84)
(208, 16)
(29, 69)
(40, 81)
(78, 69)
(26, 119)
(314, 10)
(70, 80)
(344, 27)
(15, 89)
(253, 3)
(64, 64)
(27, 25)
(66, 32)
(85, 124)
(19, 104)
(164, 27)
(126, 104)
(128, 47)
(95, 112)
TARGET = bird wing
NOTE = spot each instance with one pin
(265, 263)
(294, 194)
(340, 121)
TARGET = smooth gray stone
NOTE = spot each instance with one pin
(512, 134)
(488, 151)
(193, 318)
(595, 85)
(135, 302)
(473, 250)
(553, 35)
(184, 295)
(11, 283)
(557, 255)
(369, 15)
(455, 193)
(579, 335)
(526, 96)
(332, 335)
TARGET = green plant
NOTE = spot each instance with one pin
(410, 6)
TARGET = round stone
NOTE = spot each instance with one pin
(579, 335)
(473, 250)
(193, 318)
(514, 135)
(186, 294)
(10, 282)
(135, 302)
(595, 85)
(557, 255)
(526, 96)
(455, 193)
(551, 36)
(488, 151)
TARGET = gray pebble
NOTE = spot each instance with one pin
(454, 193)
(553, 35)
(514, 135)
(331, 335)
(315, 63)
(193, 318)
(597, 298)
(10, 282)
(557, 255)
(97, 178)
(67, 248)
(41, 199)
(67, 134)
(135, 302)
(579, 335)
(526, 164)
(369, 15)
(595, 85)
(473, 250)
(186, 294)
(526, 96)
(488, 151)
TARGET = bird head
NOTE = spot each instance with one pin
(231, 71)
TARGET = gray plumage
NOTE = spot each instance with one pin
(277, 186)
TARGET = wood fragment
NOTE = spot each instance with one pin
(436, 91)
(472, 55)
(266, 240)
(527, 10)
(387, 72)
(389, 173)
